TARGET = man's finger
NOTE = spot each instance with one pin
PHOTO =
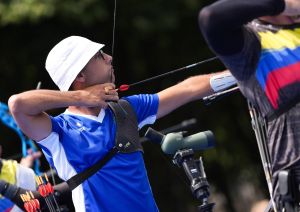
(106, 90)
(36, 155)
(112, 93)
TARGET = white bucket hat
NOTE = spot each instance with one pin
(67, 58)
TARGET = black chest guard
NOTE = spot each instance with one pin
(126, 140)
(127, 136)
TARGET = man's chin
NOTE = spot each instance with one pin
(113, 79)
(110, 81)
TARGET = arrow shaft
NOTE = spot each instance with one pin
(173, 71)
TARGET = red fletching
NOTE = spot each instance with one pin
(123, 87)
(46, 190)
(37, 203)
(38, 206)
(26, 206)
(42, 191)
(30, 207)
(50, 188)
(34, 206)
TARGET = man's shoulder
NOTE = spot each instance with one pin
(243, 64)
(141, 98)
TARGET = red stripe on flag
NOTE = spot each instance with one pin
(280, 78)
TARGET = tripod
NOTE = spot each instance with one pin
(194, 169)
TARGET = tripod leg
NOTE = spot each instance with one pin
(269, 207)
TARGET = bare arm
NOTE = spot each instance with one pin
(191, 89)
(28, 108)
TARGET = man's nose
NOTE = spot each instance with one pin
(108, 58)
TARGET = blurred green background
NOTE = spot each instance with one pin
(152, 37)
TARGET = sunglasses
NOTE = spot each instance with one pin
(100, 54)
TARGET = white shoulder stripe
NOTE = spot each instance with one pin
(63, 167)
(148, 120)
(61, 163)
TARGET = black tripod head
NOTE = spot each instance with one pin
(194, 169)
(183, 150)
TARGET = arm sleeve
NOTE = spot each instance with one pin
(222, 23)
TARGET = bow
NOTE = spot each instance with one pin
(9, 121)
(125, 87)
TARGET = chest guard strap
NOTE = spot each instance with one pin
(127, 136)
(126, 141)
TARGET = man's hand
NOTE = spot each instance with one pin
(28, 108)
(99, 95)
(30, 158)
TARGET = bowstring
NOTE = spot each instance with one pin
(113, 37)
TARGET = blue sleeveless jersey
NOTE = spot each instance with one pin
(79, 141)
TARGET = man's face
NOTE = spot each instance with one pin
(281, 19)
(99, 69)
